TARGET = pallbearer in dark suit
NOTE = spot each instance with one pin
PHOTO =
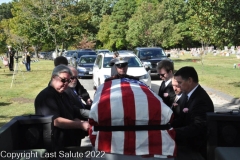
(165, 71)
(179, 101)
(190, 126)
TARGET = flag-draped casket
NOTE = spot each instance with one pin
(130, 119)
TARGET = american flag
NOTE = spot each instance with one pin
(126, 102)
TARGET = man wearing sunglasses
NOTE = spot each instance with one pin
(81, 91)
(165, 71)
(121, 67)
(66, 118)
(76, 99)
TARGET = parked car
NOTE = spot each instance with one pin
(69, 54)
(150, 56)
(85, 65)
(102, 70)
(42, 55)
(49, 55)
(124, 51)
(76, 56)
(102, 51)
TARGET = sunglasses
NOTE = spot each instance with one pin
(121, 65)
(65, 80)
(161, 74)
(74, 77)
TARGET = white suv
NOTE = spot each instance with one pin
(102, 70)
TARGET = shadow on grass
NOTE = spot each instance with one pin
(187, 60)
(4, 104)
(235, 84)
(7, 72)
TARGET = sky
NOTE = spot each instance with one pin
(5, 1)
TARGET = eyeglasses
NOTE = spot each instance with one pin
(121, 65)
(64, 80)
(161, 74)
(74, 77)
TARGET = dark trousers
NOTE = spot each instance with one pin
(11, 63)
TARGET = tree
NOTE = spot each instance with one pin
(141, 25)
(104, 32)
(5, 11)
(86, 44)
(98, 9)
(53, 22)
(118, 26)
(217, 22)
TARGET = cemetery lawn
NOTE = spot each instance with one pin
(216, 72)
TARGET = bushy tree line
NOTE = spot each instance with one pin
(119, 24)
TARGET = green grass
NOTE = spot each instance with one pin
(19, 100)
(216, 72)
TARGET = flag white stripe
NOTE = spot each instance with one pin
(96, 141)
(94, 109)
(166, 113)
(167, 143)
(142, 143)
(116, 104)
(117, 144)
(141, 105)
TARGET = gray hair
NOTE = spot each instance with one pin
(61, 69)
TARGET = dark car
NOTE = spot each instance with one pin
(76, 56)
(124, 51)
(85, 65)
(150, 56)
(69, 54)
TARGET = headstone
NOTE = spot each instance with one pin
(233, 50)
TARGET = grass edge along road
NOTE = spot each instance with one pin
(217, 72)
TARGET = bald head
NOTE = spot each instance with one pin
(74, 78)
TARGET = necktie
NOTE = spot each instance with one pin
(78, 97)
(162, 86)
(176, 99)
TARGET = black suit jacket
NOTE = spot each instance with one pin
(75, 101)
(180, 105)
(191, 127)
(82, 91)
(168, 100)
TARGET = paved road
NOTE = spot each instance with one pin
(221, 100)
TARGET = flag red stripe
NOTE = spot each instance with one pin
(154, 108)
(128, 109)
(104, 110)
